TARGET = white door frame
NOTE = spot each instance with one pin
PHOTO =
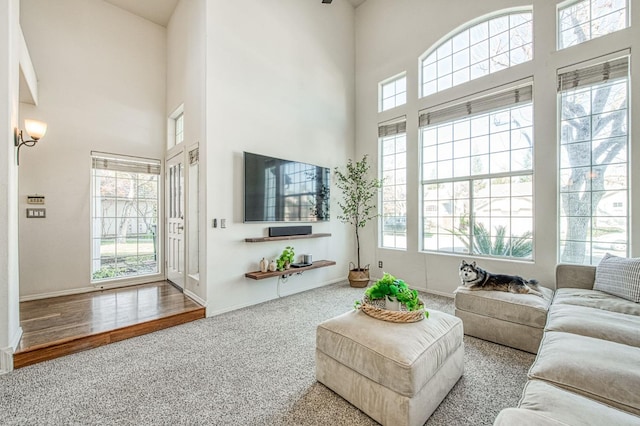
(175, 249)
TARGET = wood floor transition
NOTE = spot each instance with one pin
(68, 324)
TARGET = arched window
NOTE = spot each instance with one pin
(479, 49)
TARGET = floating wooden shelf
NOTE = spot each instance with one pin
(286, 237)
(257, 275)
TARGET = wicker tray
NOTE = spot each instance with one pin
(369, 308)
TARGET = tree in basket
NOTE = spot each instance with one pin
(359, 193)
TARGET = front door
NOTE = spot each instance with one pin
(175, 220)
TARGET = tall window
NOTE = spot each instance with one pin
(594, 181)
(125, 216)
(393, 154)
(481, 49)
(179, 128)
(175, 127)
(477, 176)
(393, 92)
(579, 21)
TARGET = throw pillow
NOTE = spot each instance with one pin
(619, 276)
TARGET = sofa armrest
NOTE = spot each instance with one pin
(575, 276)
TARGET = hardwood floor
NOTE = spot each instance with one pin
(63, 325)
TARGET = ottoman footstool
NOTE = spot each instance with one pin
(397, 374)
(514, 320)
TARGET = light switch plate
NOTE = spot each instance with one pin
(36, 213)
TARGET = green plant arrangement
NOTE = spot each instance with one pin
(286, 258)
(390, 287)
(359, 193)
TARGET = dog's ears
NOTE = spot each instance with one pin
(473, 265)
(463, 263)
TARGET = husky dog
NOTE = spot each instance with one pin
(476, 278)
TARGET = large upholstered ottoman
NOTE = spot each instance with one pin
(397, 373)
(515, 320)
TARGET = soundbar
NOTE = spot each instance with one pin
(285, 231)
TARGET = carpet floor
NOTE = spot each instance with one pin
(253, 366)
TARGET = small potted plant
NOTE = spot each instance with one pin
(286, 258)
(392, 294)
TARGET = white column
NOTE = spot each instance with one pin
(10, 331)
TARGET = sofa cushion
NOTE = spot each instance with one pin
(400, 356)
(605, 371)
(595, 299)
(525, 309)
(619, 276)
(575, 276)
(570, 408)
(522, 417)
(592, 322)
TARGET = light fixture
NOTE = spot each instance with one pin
(35, 129)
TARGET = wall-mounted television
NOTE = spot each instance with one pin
(278, 190)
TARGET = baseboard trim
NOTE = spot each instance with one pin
(440, 293)
(94, 287)
(6, 360)
(195, 297)
(246, 305)
(15, 341)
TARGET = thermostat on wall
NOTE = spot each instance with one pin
(35, 199)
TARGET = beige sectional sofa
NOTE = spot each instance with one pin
(587, 370)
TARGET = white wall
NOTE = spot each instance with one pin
(390, 37)
(186, 50)
(280, 82)
(102, 85)
(9, 293)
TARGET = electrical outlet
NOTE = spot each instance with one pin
(380, 264)
(223, 223)
(214, 223)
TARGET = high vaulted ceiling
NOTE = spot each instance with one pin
(160, 11)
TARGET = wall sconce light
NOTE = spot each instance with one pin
(35, 129)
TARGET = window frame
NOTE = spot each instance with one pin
(589, 239)
(467, 26)
(471, 178)
(398, 129)
(394, 79)
(569, 3)
(172, 127)
(154, 164)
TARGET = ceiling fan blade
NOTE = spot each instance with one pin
(327, 1)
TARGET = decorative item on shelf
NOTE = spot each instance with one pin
(286, 258)
(390, 299)
(264, 265)
(273, 266)
(359, 193)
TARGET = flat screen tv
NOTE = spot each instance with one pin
(277, 190)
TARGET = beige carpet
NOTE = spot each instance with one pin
(253, 366)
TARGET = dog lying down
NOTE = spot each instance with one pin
(476, 278)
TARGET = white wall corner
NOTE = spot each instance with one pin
(28, 78)
(15, 340)
(195, 297)
(6, 360)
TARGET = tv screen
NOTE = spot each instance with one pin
(277, 190)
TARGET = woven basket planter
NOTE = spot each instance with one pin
(375, 309)
(358, 277)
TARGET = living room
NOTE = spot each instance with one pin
(290, 79)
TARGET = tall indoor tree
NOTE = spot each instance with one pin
(358, 205)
